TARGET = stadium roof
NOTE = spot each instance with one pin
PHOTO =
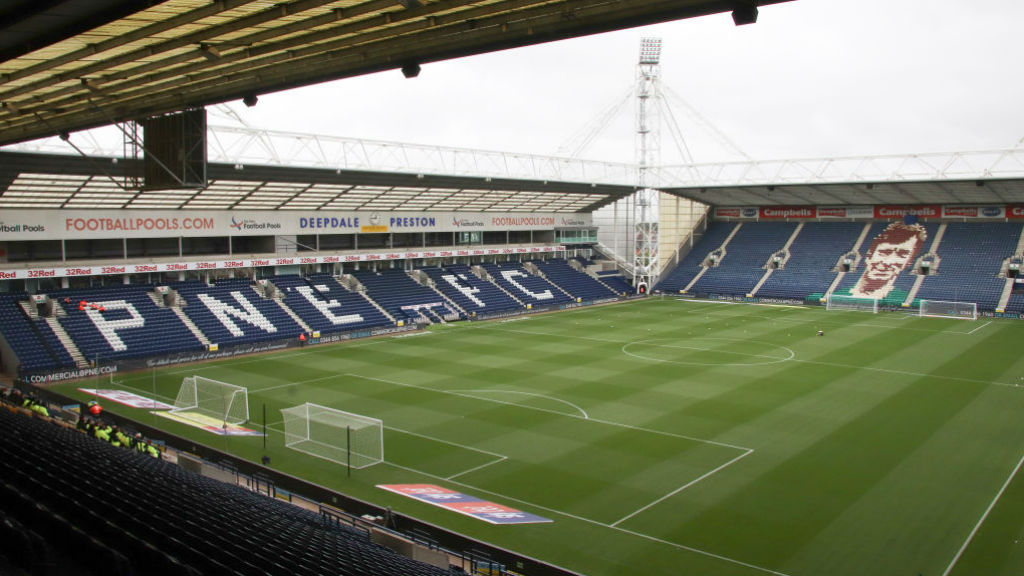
(67, 65)
(51, 181)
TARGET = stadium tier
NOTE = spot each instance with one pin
(32, 339)
(98, 504)
(402, 297)
(966, 262)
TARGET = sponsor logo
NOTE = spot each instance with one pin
(832, 212)
(410, 221)
(249, 224)
(965, 211)
(900, 211)
(112, 270)
(206, 265)
(467, 223)
(329, 222)
(992, 211)
(8, 275)
(522, 221)
(728, 212)
(19, 228)
(573, 222)
(137, 224)
(71, 272)
(146, 268)
(284, 261)
(749, 213)
(1015, 211)
(234, 264)
(789, 212)
(177, 267)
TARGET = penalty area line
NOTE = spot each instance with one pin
(981, 521)
(681, 488)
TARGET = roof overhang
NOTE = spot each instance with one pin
(67, 65)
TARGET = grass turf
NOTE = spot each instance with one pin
(680, 437)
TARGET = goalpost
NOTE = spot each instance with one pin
(947, 309)
(210, 401)
(349, 439)
(841, 302)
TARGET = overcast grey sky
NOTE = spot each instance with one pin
(811, 78)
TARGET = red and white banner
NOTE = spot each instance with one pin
(846, 211)
(1015, 211)
(987, 211)
(70, 271)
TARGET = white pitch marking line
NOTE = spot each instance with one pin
(980, 327)
(566, 402)
(596, 523)
(680, 489)
(983, 517)
(537, 409)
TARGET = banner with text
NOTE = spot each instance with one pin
(74, 224)
(71, 271)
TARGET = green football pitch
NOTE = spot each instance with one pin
(667, 436)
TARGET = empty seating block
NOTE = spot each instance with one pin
(32, 341)
(162, 519)
(971, 257)
(232, 312)
(121, 322)
(579, 284)
(474, 295)
(400, 295)
(743, 265)
(684, 273)
(526, 287)
(326, 306)
(812, 259)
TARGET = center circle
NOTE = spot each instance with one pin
(709, 351)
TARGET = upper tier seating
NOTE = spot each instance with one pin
(400, 295)
(91, 498)
(747, 253)
(680, 277)
(579, 284)
(812, 260)
(122, 322)
(526, 287)
(33, 342)
(326, 306)
(472, 294)
(232, 312)
(971, 257)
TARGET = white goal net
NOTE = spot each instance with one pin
(211, 402)
(947, 309)
(841, 302)
(342, 437)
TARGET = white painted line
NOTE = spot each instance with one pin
(475, 468)
(537, 409)
(980, 327)
(977, 526)
(680, 489)
(534, 394)
(596, 523)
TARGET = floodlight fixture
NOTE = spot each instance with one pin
(650, 51)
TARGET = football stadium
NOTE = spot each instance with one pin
(352, 360)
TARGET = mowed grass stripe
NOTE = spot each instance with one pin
(831, 412)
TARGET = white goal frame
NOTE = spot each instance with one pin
(844, 302)
(203, 399)
(948, 309)
(349, 439)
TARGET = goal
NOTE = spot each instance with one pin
(841, 302)
(342, 437)
(211, 402)
(947, 309)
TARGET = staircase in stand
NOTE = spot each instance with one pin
(67, 342)
(191, 325)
